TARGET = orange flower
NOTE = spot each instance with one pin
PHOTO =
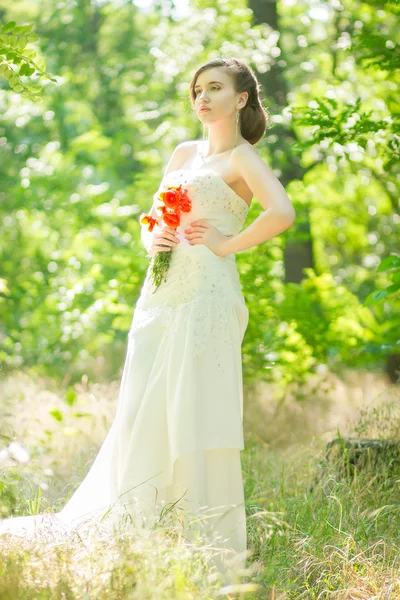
(171, 219)
(185, 204)
(170, 198)
(149, 221)
(175, 198)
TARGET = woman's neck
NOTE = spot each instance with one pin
(204, 153)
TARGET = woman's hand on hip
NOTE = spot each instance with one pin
(200, 232)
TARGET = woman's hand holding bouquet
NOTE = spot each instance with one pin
(162, 240)
(171, 202)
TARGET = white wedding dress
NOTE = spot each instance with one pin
(177, 432)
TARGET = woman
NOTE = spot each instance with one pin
(177, 433)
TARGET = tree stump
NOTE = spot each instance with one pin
(351, 456)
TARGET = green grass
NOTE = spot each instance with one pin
(316, 529)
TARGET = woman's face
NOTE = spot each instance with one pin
(214, 90)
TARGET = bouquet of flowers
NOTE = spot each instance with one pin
(170, 203)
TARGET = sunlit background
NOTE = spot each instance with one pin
(81, 155)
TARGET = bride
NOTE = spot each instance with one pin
(177, 433)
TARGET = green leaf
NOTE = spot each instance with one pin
(375, 296)
(56, 414)
(22, 43)
(70, 396)
(13, 80)
(26, 28)
(389, 262)
(9, 26)
(24, 70)
(393, 288)
(29, 52)
(81, 414)
(13, 41)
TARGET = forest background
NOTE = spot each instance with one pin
(94, 96)
(82, 158)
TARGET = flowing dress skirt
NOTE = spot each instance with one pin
(177, 432)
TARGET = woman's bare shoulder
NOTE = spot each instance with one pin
(180, 154)
(185, 149)
(245, 149)
(187, 145)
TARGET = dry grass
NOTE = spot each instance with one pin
(337, 540)
(316, 410)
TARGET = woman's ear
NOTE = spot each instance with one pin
(244, 98)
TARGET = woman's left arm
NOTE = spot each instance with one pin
(279, 213)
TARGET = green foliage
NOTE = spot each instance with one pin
(349, 129)
(346, 122)
(79, 168)
(18, 60)
(273, 348)
(374, 47)
(390, 263)
(335, 124)
(8, 495)
(389, 339)
(337, 319)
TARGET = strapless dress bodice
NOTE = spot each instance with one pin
(213, 200)
(196, 274)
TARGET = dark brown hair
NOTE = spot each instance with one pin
(253, 116)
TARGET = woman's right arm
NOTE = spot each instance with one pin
(177, 159)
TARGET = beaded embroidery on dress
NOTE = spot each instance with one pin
(178, 428)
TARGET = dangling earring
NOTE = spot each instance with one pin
(237, 126)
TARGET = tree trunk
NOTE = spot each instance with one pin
(298, 253)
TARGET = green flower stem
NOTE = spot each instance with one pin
(159, 267)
